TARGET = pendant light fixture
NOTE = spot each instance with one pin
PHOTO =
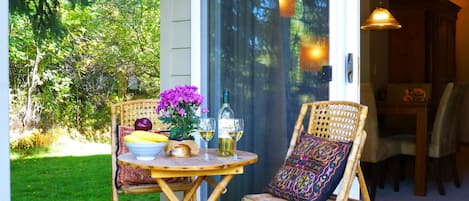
(287, 8)
(314, 53)
(380, 19)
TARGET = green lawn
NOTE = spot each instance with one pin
(67, 178)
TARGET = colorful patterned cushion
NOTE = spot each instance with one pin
(312, 171)
(128, 175)
(131, 176)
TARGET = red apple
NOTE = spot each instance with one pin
(143, 123)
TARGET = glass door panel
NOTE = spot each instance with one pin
(272, 64)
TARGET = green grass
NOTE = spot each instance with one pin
(67, 178)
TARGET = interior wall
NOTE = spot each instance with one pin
(462, 64)
(374, 56)
(364, 43)
(373, 50)
(462, 44)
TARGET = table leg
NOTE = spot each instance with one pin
(166, 190)
(194, 188)
(213, 183)
(421, 154)
(220, 187)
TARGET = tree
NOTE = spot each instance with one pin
(80, 58)
(45, 20)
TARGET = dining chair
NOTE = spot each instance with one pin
(130, 180)
(443, 139)
(377, 149)
(318, 158)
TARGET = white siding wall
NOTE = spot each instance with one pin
(175, 48)
(175, 61)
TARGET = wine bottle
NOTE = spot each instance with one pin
(225, 142)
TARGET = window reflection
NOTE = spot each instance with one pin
(255, 54)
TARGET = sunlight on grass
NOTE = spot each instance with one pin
(66, 146)
(68, 170)
(71, 178)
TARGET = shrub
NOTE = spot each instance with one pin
(32, 141)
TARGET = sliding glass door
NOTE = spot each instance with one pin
(272, 62)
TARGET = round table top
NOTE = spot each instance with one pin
(193, 163)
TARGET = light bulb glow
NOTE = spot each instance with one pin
(315, 52)
(381, 16)
(380, 19)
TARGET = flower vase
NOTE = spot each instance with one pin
(182, 148)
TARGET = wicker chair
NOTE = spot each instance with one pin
(335, 121)
(127, 113)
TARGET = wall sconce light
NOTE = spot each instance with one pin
(313, 54)
(380, 19)
(287, 8)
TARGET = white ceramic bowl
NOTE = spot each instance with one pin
(145, 151)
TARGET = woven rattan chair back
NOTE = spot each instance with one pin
(335, 121)
(126, 113)
(131, 110)
(332, 120)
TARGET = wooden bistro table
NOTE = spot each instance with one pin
(419, 110)
(164, 166)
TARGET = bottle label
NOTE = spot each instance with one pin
(224, 125)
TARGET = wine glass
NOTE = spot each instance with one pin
(236, 133)
(206, 132)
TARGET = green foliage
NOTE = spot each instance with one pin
(22, 50)
(91, 54)
(43, 15)
(85, 178)
(181, 125)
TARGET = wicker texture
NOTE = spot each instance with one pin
(335, 121)
(339, 121)
(131, 110)
(126, 113)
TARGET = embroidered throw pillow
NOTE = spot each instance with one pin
(312, 171)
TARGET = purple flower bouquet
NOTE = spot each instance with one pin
(177, 108)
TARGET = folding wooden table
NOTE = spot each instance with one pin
(164, 166)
